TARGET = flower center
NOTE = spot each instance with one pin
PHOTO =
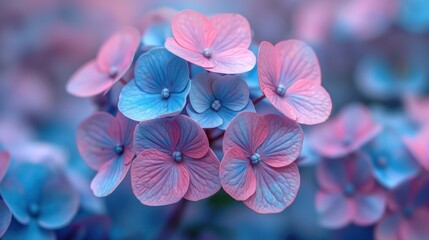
(33, 209)
(207, 53)
(113, 72)
(177, 156)
(216, 105)
(281, 89)
(408, 212)
(381, 162)
(349, 189)
(165, 93)
(255, 159)
(119, 149)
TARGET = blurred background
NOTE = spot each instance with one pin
(372, 52)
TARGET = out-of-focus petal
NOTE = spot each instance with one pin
(4, 163)
(109, 177)
(276, 188)
(415, 228)
(388, 227)
(204, 176)
(193, 141)
(247, 131)
(236, 174)
(419, 147)
(5, 217)
(88, 81)
(157, 179)
(334, 209)
(369, 208)
(283, 143)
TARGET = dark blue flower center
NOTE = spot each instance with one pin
(216, 105)
(207, 53)
(255, 159)
(408, 212)
(177, 156)
(33, 209)
(381, 162)
(119, 149)
(281, 89)
(113, 72)
(349, 189)
(165, 93)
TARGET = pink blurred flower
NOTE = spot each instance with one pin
(348, 192)
(112, 63)
(346, 133)
(173, 161)
(289, 76)
(419, 147)
(258, 166)
(106, 145)
(218, 44)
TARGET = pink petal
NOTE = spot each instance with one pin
(88, 81)
(419, 147)
(268, 68)
(284, 141)
(387, 228)
(4, 163)
(157, 179)
(369, 208)
(417, 108)
(233, 61)
(247, 131)
(118, 51)
(193, 141)
(109, 177)
(233, 31)
(276, 188)
(96, 138)
(204, 176)
(189, 55)
(311, 102)
(416, 227)
(236, 175)
(334, 209)
(193, 31)
(298, 62)
(127, 127)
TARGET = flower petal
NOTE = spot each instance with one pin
(228, 115)
(161, 134)
(193, 141)
(206, 119)
(150, 70)
(96, 138)
(233, 61)
(232, 31)
(204, 176)
(334, 209)
(284, 141)
(4, 163)
(276, 188)
(231, 91)
(109, 177)
(236, 174)
(89, 81)
(201, 95)
(369, 208)
(177, 75)
(118, 51)
(268, 68)
(387, 228)
(247, 131)
(196, 58)
(157, 179)
(416, 227)
(5, 217)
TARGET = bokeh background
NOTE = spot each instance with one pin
(372, 52)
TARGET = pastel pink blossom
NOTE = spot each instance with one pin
(346, 133)
(219, 43)
(173, 161)
(419, 147)
(289, 76)
(112, 62)
(348, 192)
(258, 166)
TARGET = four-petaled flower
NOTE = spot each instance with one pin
(105, 143)
(258, 166)
(289, 76)
(348, 192)
(174, 161)
(215, 100)
(347, 132)
(159, 88)
(113, 61)
(218, 44)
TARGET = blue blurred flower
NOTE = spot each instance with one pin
(39, 197)
(392, 162)
(159, 88)
(414, 15)
(215, 100)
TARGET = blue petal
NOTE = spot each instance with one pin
(231, 91)
(157, 34)
(206, 119)
(109, 177)
(5, 217)
(228, 115)
(201, 95)
(161, 134)
(177, 75)
(31, 231)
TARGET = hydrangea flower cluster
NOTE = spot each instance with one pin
(167, 117)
